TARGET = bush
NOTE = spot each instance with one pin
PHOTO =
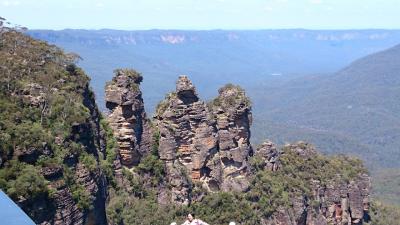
(22, 180)
(89, 161)
(230, 96)
(152, 165)
(111, 153)
(382, 214)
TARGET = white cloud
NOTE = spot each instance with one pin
(10, 3)
(282, 1)
(315, 1)
(99, 5)
(268, 8)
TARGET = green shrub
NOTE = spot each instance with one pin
(79, 193)
(82, 197)
(22, 180)
(151, 164)
(89, 161)
(164, 104)
(382, 214)
(111, 153)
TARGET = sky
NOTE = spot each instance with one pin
(10, 213)
(202, 14)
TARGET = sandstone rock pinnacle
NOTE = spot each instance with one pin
(127, 116)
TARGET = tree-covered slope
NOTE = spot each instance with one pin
(50, 136)
(357, 105)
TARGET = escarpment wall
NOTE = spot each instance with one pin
(337, 202)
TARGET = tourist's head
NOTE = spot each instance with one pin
(190, 217)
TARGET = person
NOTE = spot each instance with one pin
(190, 220)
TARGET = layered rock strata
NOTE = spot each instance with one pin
(209, 144)
(232, 111)
(127, 116)
(339, 202)
(188, 141)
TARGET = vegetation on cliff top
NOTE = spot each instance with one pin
(269, 191)
(163, 105)
(231, 96)
(43, 98)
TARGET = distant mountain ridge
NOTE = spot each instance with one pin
(213, 58)
(289, 107)
(137, 37)
(358, 104)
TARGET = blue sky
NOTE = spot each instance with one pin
(203, 14)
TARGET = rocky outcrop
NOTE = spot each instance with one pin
(210, 144)
(269, 154)
(51, 143)
(339, 202)
(232, 111)
(188, 141)
(127, 116)
(62, 207)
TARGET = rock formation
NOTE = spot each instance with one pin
(269, 153)
(339, 202)
(63, 208)
(188, 141)
(232, 111)
(127, 116)
(211, 145)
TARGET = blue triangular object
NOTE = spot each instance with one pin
(11, 214)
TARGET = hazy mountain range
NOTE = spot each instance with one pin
(291, 76)
(352, 111)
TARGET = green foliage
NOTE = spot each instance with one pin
(164, 104)
(136, 183)
(41, 98)
(230, 96)
(123, 207)
(269, 191)
(111, 153)
(382, 214)
(386, 186)
(82, 197)
(79, 193)
(309, 168)
(152, 165)
(272, 190)
(22, 180)
(89, 161)
(222, 208)
(130, 73)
